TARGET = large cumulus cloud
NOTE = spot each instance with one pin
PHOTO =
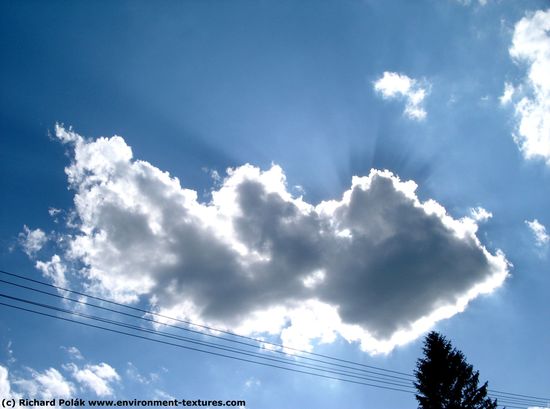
(377, 265)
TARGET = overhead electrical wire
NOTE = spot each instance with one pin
(385, 377)
(519, 395)
(202, 333)
(201, 343)
(43, 283)
(321, 375)
(515, 398)
(197, 349)
(201, 325)
(218, 354)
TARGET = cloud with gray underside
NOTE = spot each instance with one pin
(378, 265)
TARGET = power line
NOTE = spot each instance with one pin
(526, 399)
(204, 333)
(219, 354)
(505, 397)
(518, 394)
(200, 325)
(206, 344)
(507, 400)
(201, 350)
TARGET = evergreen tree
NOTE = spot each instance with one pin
(444, 380)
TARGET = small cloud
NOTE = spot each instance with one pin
(51, 384)
(252, 382)
(394, 85)
(9, 353)
(469, 2)
(213, 173)
(97, 378)
(45, 385)
(160, 394)
(67, 135)
(32, 241)
(314, 279)
(452, 100)
(508, 93)
(52, 211)
(299, 190)
(54, 270)
(133, 373)
(479, 214)
(73, 352)
(215, 176)
(539, 230)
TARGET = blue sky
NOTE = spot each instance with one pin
(389, 172)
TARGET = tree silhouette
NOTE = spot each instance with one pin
(444, 380)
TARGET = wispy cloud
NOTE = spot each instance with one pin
(73, 352)
(479, 214)
(97, 378)
(470, 2)
(539, 231)
(32, 241)
(54, 269)
(507, 94)
(133, 373)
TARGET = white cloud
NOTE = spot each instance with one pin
(54, 269)
(539, 231)
(160, 394)
(314, 279)
(394, 85)
(252, 383)
(378, 265)
(32, 241)
(531, 45)
(5, 387)
(49, 384)
(479, 214)
(97, 378)
(133, 373)
(52, 211)
(469, 2)
(9, 353)
(507, 94)
(74, 352)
